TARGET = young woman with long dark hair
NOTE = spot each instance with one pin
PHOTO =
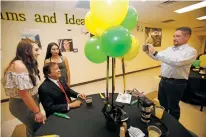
(54, 55)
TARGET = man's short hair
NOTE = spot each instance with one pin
(186, 30)
(47, 68)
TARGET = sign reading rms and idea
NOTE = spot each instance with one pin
(14, 16)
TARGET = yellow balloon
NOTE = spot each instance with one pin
(203, 61)
(89, 23)
(93, 25)
(111, 12)
(133, 52)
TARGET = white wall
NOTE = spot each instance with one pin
(82, 70)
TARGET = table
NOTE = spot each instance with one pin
(90, 122)
(195, 83)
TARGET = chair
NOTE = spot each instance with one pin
(203, 63)
(201, 96)
(192, 133)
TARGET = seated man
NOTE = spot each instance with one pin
(54, 93)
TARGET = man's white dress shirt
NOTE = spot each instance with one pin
(176, 61)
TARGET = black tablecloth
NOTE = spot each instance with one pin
(195, 83)
(196, 75)
(90, 122)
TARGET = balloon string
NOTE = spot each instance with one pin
(123, 71)
(107, 79)
(114, 72)
(113, 80)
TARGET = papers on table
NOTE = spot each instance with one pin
(124, 98)
(135, 132)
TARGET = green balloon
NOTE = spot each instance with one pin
(116, 41)
(93, 52)
(130, 21)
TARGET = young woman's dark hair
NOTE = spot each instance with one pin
(48, 52)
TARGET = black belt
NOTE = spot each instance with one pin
(174, 80)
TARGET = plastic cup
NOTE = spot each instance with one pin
(154, 131)
(89, 101)
(159, 111)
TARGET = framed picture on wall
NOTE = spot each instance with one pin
(66, 45)
(153, 36)
(34, 37)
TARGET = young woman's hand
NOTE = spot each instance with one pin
(39, 117)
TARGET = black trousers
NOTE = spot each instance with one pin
(170, 93)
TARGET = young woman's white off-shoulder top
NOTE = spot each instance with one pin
(14, 82)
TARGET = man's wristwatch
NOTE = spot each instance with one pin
(155, 53)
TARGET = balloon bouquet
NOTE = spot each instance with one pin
(110, 21)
